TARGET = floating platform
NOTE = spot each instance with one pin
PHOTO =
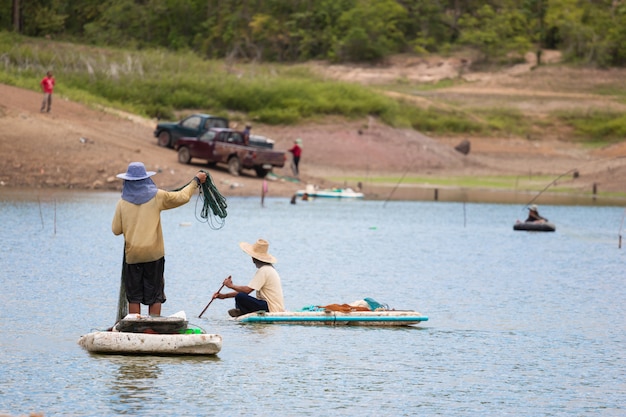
(534, 226)
(312, 192)
(138, 335)
(336, 318)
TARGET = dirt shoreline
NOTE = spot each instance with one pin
(76, 147)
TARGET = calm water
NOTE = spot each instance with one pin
(520, 323)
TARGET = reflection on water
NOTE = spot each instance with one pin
(134, 383)
(520, 323)
(134, 380)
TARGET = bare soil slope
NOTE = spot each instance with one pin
(77, 147)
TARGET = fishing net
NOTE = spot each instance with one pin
(212, 204)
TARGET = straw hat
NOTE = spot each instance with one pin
(258, 251)
(136, 171)
(533, 207)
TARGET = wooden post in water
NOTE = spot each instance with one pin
(595, 191)
(436, 194)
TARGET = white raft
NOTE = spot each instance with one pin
(313, 192)
(336, 318)
(175, 337)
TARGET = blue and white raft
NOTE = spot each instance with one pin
(312, 191)
(366, 312)
(144, 335)
(336, 318)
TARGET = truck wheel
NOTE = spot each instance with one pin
(261, 172)
(234, 167)
(184, 157)
(164, 139)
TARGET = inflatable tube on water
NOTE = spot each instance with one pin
(534, 226)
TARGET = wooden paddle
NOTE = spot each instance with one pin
(207, 306)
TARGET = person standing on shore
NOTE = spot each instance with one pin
(47, 86)
(246, 135)
(296, 151)
(138, 218)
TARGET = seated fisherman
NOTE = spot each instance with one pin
(533, 215)
(266, 282)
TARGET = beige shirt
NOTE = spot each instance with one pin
(267, 284)
(141, 223)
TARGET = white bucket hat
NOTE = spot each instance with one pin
(136, 171)
(259, 251)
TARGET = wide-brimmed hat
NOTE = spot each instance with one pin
(259, 251)
(136, 171)
(533, 207)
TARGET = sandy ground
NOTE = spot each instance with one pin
(80, 148)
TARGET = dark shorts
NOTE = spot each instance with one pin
(144, 282)
(248, 304)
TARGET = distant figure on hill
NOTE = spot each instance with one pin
(47, 86)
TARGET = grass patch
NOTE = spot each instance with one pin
(525, 183)
(159, 83)
(595, 127)
(522, 182)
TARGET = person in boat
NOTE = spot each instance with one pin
(534, 216)
(266, 282)
(138, 218)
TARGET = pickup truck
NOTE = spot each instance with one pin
(168, 133)
(226, 146)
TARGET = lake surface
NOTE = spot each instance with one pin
(519, 323)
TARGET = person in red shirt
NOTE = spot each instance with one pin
(47, 85)
(296, 150)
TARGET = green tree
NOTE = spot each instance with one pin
(370, 31)
(42, 17)
(583, 29)
(617, 36)
(495, 33)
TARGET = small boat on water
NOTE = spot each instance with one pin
(336, 318)
(145, 335)
(534, 226)
(365, 312)
(313, 192)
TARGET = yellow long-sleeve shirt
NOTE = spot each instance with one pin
(141, 223)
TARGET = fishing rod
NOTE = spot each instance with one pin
(406, 171)
(570, 172)
(550, 184)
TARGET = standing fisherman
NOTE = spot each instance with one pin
(138, 218)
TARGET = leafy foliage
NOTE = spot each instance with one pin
(338, 30)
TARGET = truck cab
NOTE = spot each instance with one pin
(168, 133)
